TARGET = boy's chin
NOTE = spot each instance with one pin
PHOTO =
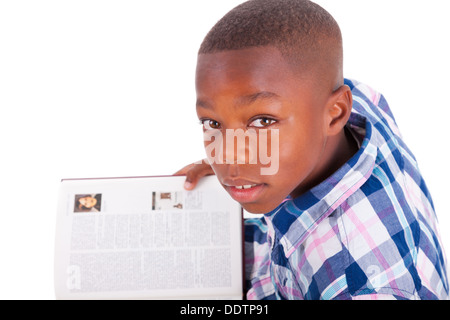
(259, 208)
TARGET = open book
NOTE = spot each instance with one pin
(147, 238)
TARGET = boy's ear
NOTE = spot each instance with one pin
(338, 110)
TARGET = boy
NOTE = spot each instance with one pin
(347, 214)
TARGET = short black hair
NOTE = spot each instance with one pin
(300, 29)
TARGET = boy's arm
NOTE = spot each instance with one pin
(259, 285)
(194, 172)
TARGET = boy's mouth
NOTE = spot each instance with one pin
(244, 191)
(246, 186)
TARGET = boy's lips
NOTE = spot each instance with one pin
(243, 191)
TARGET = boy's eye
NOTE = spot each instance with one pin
(262, 122)
(209, 124)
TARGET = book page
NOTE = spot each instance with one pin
(147, 238)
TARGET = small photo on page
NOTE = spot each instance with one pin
(167, 200)
(88, 202)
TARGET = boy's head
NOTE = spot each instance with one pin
(275, 66)
(306, 35)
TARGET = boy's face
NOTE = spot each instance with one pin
(257, 89)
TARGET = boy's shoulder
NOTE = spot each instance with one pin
(372, 105)
(359, 249)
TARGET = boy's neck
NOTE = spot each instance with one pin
(338, 150)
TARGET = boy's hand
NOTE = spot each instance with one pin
(193, 173)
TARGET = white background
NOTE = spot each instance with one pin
(106, 88)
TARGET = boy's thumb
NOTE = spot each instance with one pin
(192, 177)
(188, 185)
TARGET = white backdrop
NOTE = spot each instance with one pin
(106, 88)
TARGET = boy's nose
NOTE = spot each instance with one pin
(232, 170)
(240, 150)
(235, 153)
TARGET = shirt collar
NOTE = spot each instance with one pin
(294, 219)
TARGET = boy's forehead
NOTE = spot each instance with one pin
(262, 69)
(257, 58)
(255, 72)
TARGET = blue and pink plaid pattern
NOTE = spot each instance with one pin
(368, 232)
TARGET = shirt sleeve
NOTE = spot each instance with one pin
(259, 284)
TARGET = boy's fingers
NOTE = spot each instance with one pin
(194, 172)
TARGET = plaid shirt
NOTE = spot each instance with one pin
(367, 232)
